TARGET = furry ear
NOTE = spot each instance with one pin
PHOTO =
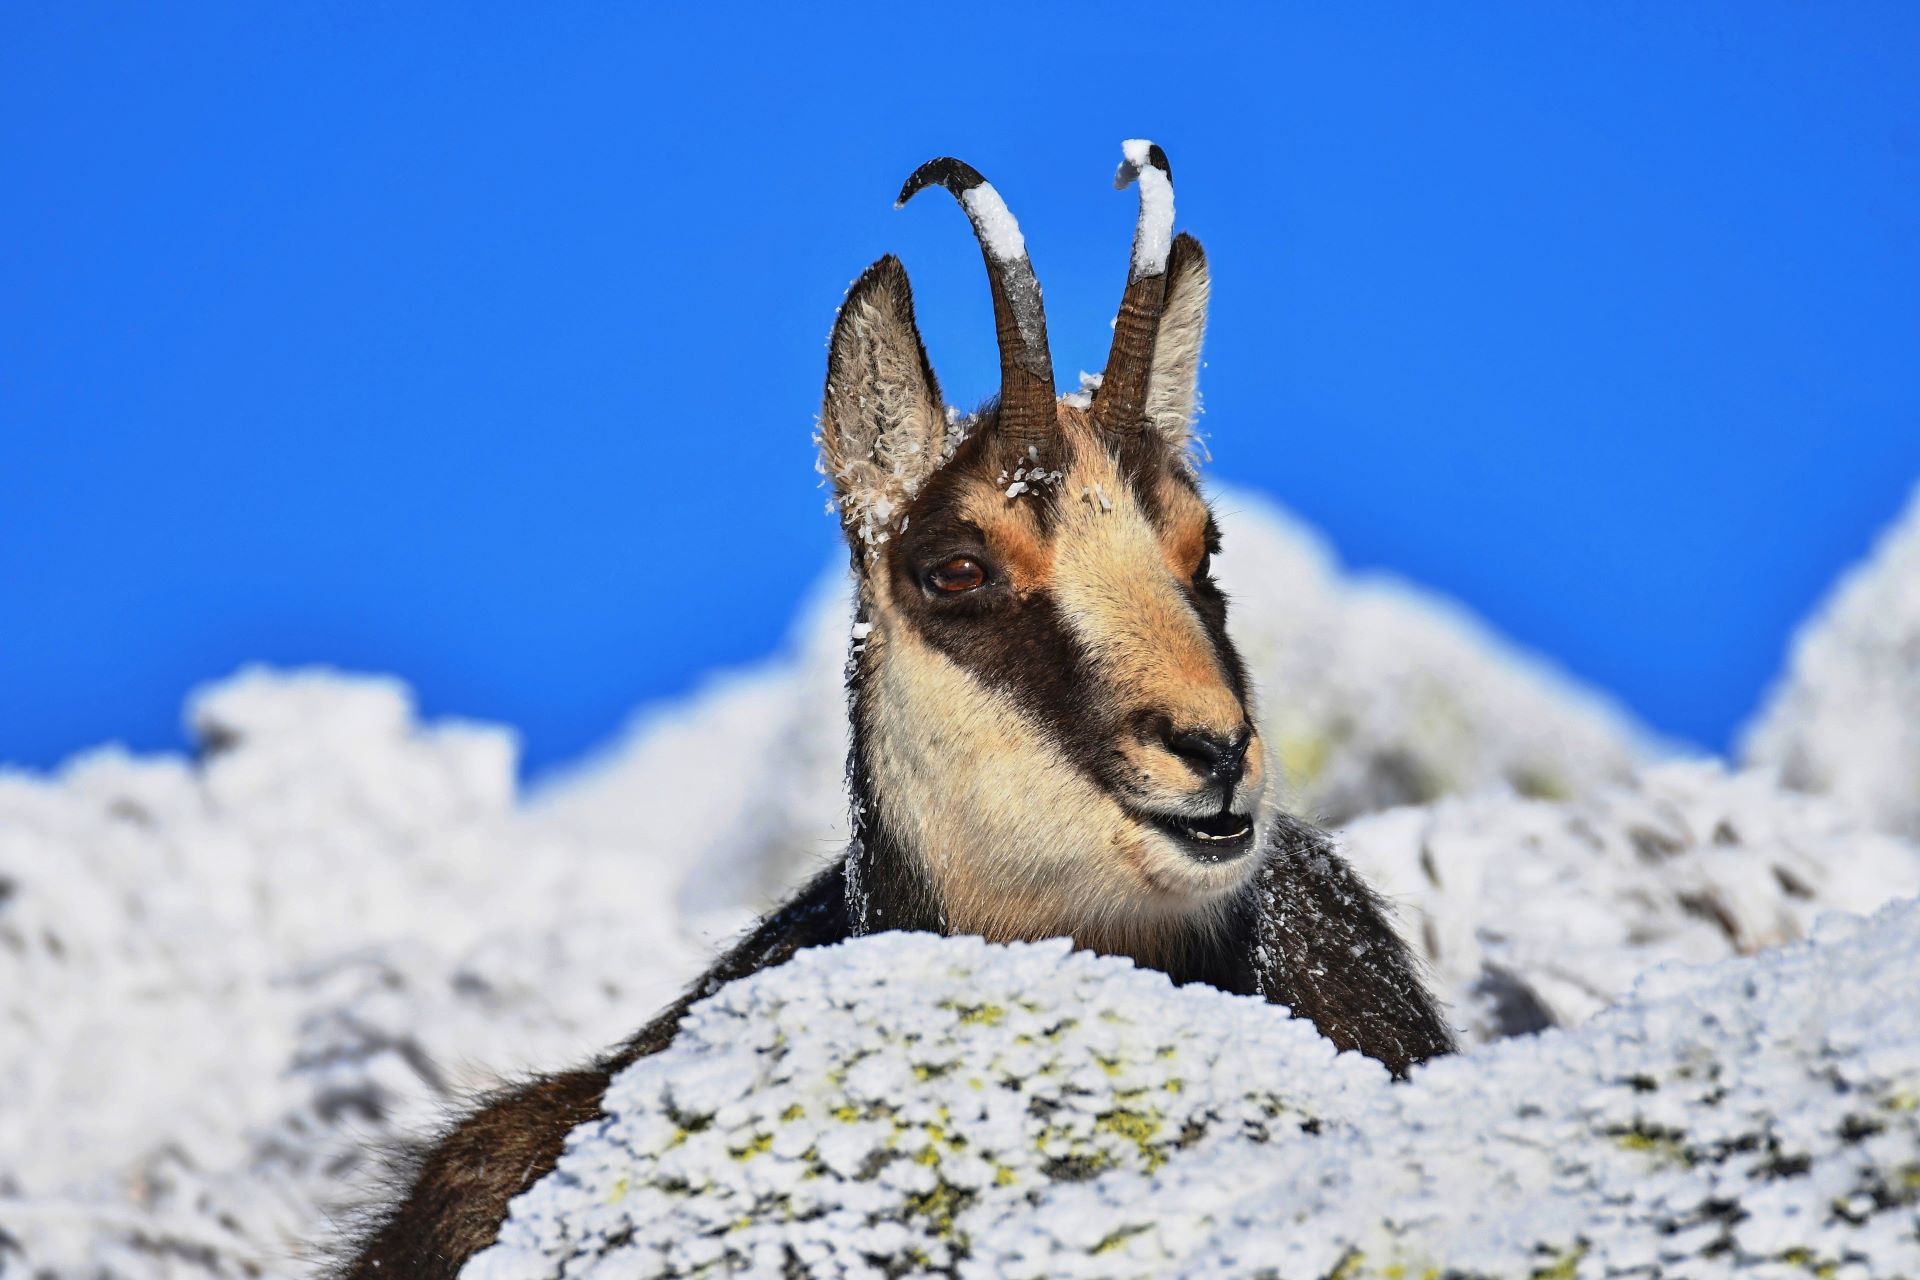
(882, 427)
(1172, 385)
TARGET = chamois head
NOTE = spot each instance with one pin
(1049, 720)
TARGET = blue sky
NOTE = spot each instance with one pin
(481, 343)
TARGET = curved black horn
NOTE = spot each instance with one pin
(1119, 406)
(1026, 367)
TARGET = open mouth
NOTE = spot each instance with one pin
(1212, 839)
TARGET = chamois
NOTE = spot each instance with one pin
(1052, 733)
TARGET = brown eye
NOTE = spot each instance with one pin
(959, 574)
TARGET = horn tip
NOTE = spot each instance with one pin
(957, 176)
(1137, 154)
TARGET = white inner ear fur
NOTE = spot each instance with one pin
(882, 428)
(1172, 385)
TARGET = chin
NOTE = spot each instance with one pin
(1191, 871)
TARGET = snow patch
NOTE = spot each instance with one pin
(996, 225)
(1153, 236)
(1082, 396)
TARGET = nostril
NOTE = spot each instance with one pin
(1213, 756)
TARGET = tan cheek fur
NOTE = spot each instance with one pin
(1150, 646)
(1012, 534)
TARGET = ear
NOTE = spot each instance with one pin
(882, 426)
(1172, 387)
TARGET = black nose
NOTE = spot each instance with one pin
(1214, 757)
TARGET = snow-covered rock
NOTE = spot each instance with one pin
(1376, 693)
(907, 1105)
(1537, 912)
(224, 981)
(1845, 720)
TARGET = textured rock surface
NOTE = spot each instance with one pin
(221, 981)
(907, 1105)
(1537, 912)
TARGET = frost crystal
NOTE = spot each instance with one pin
(1082, 396)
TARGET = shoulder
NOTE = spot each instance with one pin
(1329, 950)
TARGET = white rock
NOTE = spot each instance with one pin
(1759, 1115)
(1535, 910)
(1845, 719)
